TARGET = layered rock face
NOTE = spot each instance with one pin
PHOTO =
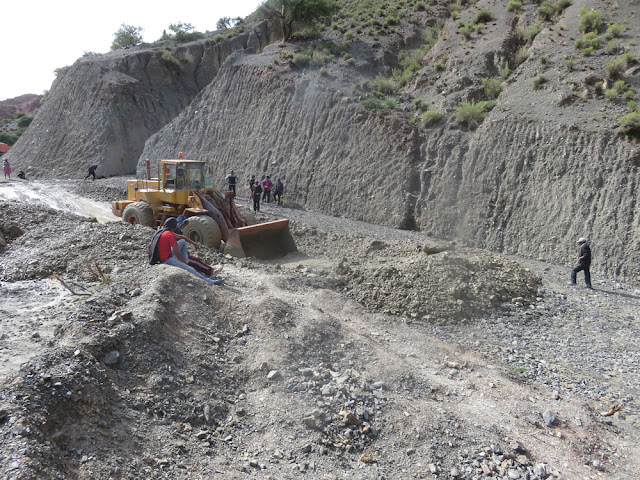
(102, 109)
(512, 185)
(332, 156)
(543, 169)
(533, 189)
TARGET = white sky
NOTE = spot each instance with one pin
(39, 36)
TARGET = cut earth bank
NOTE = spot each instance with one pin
(369, 354)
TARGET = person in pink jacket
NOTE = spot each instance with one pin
(6, 168)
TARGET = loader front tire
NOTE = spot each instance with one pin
(138, 213)
(204, 230)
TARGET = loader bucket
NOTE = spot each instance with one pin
(264, 240)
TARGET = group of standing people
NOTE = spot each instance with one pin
(259, 191)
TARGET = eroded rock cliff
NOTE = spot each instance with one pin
(103, 108)
(545, 167)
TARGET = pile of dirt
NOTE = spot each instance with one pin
(432, 283)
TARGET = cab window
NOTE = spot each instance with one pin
(170, 176)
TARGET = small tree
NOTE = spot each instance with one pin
(127, 36)
(224, 23)
(290, 11)
(182, 33)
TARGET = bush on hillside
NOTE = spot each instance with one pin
(629, 125)
(492, 87)
(522, 54)
(614, 31)
(484, 15)
(299, 11)
(514, 6)
(182, 33)
(25, 121)
(127, 36)
(538, 80)
(430, 117)
(473, 113)
(547, 10)
(588, 43)
(8, 138)
(385, 84)
(590, 21)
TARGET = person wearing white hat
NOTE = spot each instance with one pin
(584, 262)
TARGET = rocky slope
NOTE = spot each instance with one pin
(303, 365)
(545, 166)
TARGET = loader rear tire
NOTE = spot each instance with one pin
(204, 230)
(138, 213)
(249, 217)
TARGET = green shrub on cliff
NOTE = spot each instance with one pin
(484, 15)
(472, 113)
(299, 11)
(538, 81)
(183, 32)
(301, 59)
(492, 87)
(169, 59)
(588, 43)
(522, 54)
(629, 126)
(385, 84)
(25, 121)
(590, 21)
(514, 6)
(619, 89)
(8, 138)
(127, 36)
(430, 117)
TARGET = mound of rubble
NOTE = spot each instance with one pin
(437, 284)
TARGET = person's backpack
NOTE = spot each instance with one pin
(154, 255)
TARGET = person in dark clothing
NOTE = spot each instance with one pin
(278, 191)
(232, 179)
(92, 172)
(252, 182)
(584, 262)
(257, 193)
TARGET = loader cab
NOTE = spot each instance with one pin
(181, 175)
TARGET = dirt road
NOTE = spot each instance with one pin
(362, 356)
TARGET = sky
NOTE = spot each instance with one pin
(40, 36)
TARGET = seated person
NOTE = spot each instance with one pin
(173, 251)
(194, 261)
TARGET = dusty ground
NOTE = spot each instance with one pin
(368, 354)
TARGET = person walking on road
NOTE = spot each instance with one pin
(232, 179)
(92, 172)
(584, 262)
(257, 192)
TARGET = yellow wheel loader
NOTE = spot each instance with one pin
(185, 187)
